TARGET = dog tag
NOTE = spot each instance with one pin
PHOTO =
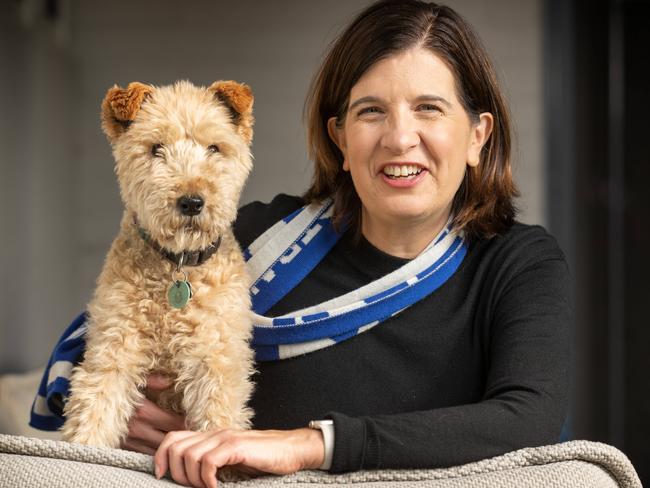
(179, 294)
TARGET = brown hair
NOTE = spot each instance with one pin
(483, 205)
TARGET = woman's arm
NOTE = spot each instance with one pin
(526, 388)
(194, 458)
(150, 423)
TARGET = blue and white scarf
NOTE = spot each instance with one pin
(277, 261)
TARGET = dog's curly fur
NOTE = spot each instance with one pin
(132, 330)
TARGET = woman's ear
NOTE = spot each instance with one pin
(337, 134)
(479, 136)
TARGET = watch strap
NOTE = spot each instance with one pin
(327, 429)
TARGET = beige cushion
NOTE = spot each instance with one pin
(55, 464)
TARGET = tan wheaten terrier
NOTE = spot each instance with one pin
(173, 296)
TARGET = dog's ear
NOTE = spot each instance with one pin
(120, 106)
(238, 97)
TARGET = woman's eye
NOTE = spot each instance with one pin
(157, 150)
(369, 111)
(213, 148)
(428, 107)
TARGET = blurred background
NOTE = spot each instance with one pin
(575, 74)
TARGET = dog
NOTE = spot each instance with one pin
(172, 297)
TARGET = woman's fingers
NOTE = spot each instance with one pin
(193, 458)
(159, 419)
(161, 459)
(178, 454)
(187, 456)
(176, 462)
(158, 382)
(209, 473)
(225, 454)
(144, 433)
(148, 426)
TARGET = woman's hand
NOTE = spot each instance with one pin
(150, 423)
(193, 458)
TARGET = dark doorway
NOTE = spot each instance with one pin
(598, 106)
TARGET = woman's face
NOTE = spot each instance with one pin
(406, 140)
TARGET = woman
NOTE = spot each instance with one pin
(410, 136)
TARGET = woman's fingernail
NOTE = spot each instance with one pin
(156, 471)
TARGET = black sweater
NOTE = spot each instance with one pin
(478, 368)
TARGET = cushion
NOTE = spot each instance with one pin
(37, 463)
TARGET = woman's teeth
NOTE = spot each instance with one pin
(401, 171)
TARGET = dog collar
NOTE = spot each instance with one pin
(185, 258)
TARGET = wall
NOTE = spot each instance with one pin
(37, 188)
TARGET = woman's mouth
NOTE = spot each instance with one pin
(404, 175)
(401, 171)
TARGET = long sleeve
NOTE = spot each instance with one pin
(526, 387)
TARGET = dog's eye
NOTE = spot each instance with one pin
(213, 148)
(157, 150)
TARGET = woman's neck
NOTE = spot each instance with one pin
(401, 238)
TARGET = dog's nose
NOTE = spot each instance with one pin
(190, 205)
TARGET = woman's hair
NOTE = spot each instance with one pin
(483, 205)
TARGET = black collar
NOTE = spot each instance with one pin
(185, 258)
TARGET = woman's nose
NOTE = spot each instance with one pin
(401, 134)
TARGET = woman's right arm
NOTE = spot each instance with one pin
(150, 423)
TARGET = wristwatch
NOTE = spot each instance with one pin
(327, 428)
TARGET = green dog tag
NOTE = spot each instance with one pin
(179, 294)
